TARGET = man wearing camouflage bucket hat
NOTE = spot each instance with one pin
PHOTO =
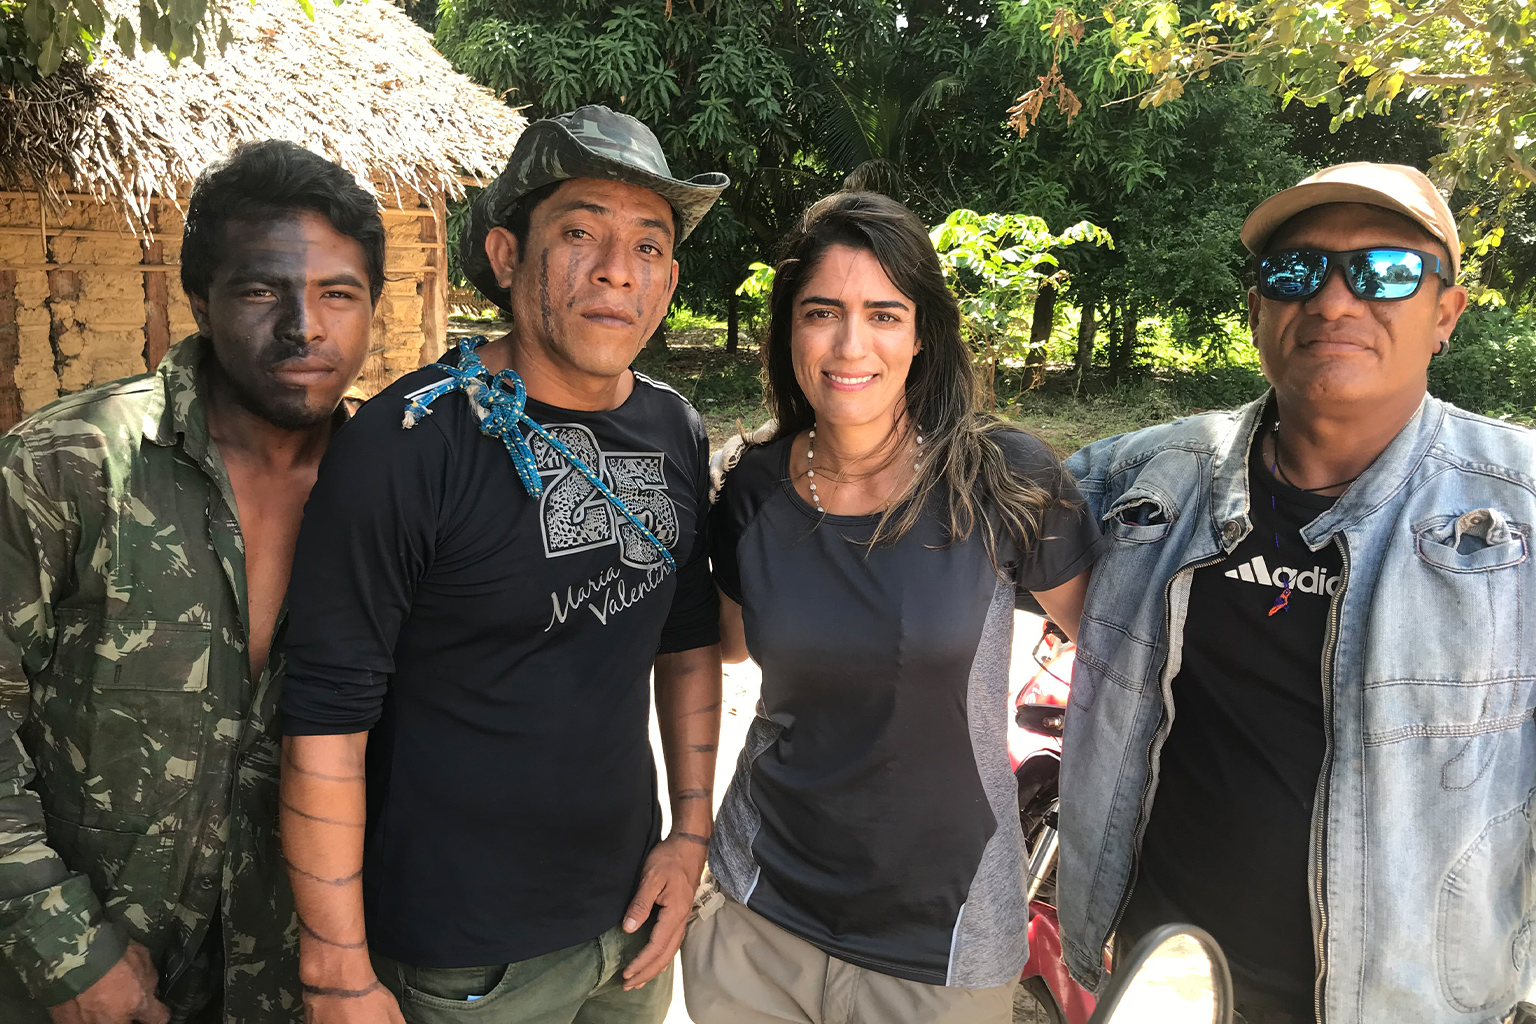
(494, 578)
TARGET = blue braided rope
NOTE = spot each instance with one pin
(500, 403)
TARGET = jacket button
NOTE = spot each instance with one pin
(1230, 531)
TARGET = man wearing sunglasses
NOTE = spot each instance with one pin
(1302, 711)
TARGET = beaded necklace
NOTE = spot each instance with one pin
(810, 472)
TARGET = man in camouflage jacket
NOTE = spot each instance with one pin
(138, 748)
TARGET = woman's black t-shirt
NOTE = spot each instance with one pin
(873, 812)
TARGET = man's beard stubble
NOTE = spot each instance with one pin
(284, 408)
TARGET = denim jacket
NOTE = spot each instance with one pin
(1423, 856)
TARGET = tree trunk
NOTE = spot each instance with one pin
(1087, 331)
(657, 342)
(1112, 323)
(1040, 333)
(732, 321)
(1128, 319)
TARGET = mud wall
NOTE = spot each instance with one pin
(84, 301)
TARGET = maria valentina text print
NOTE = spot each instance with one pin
(574, 517)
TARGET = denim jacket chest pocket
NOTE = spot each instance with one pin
(1142, 515)
(1123, 640)
(1452, 625)
(1450, 672)
(1477, 541)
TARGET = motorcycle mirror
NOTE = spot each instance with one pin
(1045, 719)
(1175, 975)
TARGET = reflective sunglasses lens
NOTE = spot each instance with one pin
(1293, 275)
(1386, 274)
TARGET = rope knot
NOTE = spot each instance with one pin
(499, 404)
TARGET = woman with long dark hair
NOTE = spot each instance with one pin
(870, 555)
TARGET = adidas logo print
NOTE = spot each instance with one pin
(1309, 581)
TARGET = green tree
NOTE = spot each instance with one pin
(872, 100)
(38, 36)
(999, 265)
(1472, 59)
(1172, 184)
(789, 98)
(714, 80)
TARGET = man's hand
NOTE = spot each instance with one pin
(124, 995)
(371, 1004)
(669, 881)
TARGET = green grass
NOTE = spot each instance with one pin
(726, 387)
(1067, 423)
(681, 318)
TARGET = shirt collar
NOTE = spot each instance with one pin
(180, 413)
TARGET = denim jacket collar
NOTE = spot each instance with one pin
(1383, 478)
(1229, 471)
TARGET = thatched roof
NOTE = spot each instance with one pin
(361, 84)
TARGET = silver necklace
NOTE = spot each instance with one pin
(810, 471)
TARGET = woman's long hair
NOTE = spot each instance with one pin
(962, 460)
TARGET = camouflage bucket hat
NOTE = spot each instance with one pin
(589, 142)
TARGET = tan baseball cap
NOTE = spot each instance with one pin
(1395, 187)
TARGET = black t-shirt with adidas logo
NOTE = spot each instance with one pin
(1227, 844)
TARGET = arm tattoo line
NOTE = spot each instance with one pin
(706, 709)
(307, 930)
(354, 876)
(693, 794)
(702, 748)
(341, 993)
(691, 837)
(291, 763)
(315, 817)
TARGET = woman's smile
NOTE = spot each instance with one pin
(849, 383)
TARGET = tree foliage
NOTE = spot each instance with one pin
(794, 98)
(37, 36)
(996, 263)
(714, 80)
(1172, 184)
(1473, 59)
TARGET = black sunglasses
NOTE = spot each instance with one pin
(1384, 274)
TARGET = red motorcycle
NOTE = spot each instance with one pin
(1034, 749)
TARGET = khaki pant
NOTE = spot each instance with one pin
(739, 968)
(582, 984)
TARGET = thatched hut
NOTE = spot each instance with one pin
(96, 164)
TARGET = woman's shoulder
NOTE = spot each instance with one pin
(1025, 453)
(747, 467)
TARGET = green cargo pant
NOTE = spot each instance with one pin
(582, 984)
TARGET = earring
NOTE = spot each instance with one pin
(1445, 346)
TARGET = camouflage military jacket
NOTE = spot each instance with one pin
(138, 759)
